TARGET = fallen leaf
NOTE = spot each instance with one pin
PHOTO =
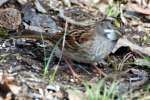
(124, 42)
(139, 9)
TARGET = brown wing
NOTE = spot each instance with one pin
(76, 37)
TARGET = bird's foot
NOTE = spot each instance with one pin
(75, 75)
(99, 70)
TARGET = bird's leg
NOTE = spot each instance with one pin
(99, 70)
(75, 75)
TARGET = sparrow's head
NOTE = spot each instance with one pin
(107, 29)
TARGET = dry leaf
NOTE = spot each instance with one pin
(124, 42)
(139, 9)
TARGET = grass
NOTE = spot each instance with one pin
(52, 53)
(101, 91)
(112, 10)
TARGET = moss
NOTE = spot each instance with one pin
(3, 32)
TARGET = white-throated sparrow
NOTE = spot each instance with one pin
(88, 44)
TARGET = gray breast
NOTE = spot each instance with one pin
(102, 47)
(99, 49)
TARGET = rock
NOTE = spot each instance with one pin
(10, 18)
(22, 2)
(33, 21)
(2, 2)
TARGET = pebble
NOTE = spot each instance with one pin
(10, 18)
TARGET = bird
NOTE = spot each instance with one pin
(88, 44)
